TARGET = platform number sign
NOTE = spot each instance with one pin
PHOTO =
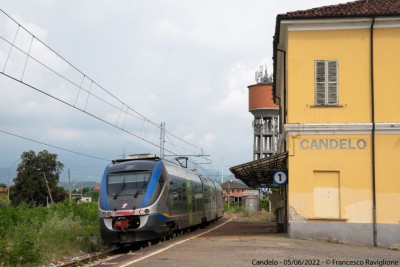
(280, 177)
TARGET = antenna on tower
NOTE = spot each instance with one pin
(262, 75)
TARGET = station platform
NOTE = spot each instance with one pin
(252, 243)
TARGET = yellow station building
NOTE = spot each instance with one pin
(337, 79)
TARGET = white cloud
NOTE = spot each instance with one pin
(64, 134)
(167, 28)
(190, 137)
(187, 63)
(208, 140)
(236, 100)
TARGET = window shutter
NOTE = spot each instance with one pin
(320, 82)
(326, 82)
(332, 82)
(332, 94)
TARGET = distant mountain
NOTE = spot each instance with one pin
(89, 181)
(77, 186)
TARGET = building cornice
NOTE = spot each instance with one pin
(388, 128)
(342, 128)
(339, 24)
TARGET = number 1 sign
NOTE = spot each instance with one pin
(280, 177)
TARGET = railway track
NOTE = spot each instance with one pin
(96, 258)
(90, 258)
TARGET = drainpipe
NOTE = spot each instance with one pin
(286, 219)
(282, 111)
(373, 132)
(284, 87)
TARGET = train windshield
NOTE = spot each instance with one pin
(127, 183)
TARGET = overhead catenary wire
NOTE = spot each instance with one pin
(122, 108)
(53, 146)
(198, 167)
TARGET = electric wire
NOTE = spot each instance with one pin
(53, 146)
(128, 111)
(124, 110)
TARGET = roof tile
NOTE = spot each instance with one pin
(350, 9)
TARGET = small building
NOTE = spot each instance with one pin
(96, 188)
(81, 198)
(3, 190)
(251, 203)
(234, 191)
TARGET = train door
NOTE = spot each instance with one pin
(213, 198)
(219, 200)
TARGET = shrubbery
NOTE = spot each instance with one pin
(38, 235)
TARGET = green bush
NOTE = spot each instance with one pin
(24, 246)
(37, 235)
(233, 208)
(58, 236)
(264, 204)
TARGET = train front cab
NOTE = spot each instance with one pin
(128, 205)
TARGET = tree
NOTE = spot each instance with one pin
(37, 174)
(94, 195)
(85, 190)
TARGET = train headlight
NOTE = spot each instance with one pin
(141, 211)
(147, 211)
(103, 214)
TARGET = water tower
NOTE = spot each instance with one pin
(266, 116)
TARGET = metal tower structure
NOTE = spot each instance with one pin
(266, 120)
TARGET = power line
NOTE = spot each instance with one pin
(204, 172)
(53, 146)
(108, 101)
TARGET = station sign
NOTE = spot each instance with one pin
(334, 144)
(280, 177)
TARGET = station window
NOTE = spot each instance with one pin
(326, 82)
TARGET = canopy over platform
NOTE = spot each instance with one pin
(258, 173)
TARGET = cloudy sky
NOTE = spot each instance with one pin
(185, 63)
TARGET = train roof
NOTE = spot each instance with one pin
(146, 163)
(124, 165)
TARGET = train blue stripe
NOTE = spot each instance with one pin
(162, 217)
(103, 190)
(152, 183)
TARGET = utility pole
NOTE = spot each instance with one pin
(48, 188)
(229, 192)
(162, 139)
(69, 185)
(222, 169)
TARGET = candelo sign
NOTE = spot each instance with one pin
(334, 144)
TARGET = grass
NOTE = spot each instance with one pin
(237, 212)
(32, 236)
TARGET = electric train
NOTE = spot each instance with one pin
(149, 198)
